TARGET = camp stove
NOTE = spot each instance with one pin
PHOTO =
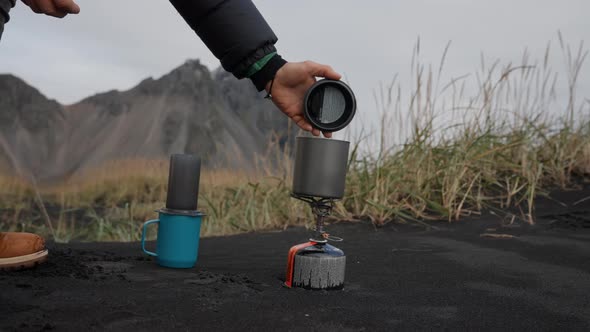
(321, 208)
(319, 178)
(316, 264)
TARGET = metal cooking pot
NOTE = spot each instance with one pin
(320, 167)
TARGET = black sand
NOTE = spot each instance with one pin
(397, 278)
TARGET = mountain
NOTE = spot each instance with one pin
(189, 110)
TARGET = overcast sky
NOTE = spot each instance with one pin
(114, 44)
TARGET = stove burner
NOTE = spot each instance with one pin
(321, 208)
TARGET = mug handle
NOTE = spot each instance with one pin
(143, 236)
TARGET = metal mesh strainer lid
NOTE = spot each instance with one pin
(329, 105)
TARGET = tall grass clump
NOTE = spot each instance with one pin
(498, 147)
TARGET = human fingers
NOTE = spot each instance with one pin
(46, 7)
(32, 5)
(68, 6)
(327, 134)
(320, 70)
(302, 123)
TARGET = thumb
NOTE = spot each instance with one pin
(320, 70)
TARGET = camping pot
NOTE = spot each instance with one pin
(320, 167)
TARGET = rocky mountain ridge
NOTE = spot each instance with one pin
(188, 110)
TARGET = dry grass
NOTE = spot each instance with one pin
(476, 142)
(110, 203)
(496, 148)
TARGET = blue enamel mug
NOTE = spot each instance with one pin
(177, 245)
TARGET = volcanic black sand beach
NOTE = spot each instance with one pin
(398, 277)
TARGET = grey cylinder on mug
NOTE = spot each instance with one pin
(183, 182)
(320, 167)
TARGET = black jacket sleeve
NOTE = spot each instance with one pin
(5, 6)
(234, 31)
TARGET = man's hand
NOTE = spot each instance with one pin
(55, 8)
(290, 85)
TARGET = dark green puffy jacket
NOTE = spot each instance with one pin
(5, 6)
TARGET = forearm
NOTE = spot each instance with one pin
(234, 31)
